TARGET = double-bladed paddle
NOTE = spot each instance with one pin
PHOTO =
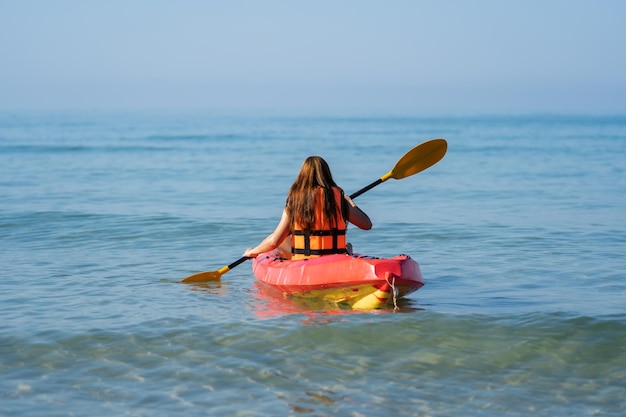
(416, 160)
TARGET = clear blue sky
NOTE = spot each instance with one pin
(417, 57)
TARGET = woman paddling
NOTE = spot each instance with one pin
(315, 215)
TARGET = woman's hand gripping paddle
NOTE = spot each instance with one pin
(416, 160)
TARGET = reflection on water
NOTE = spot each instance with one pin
(210, 287)
(267, 302)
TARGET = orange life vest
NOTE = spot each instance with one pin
(323, 239)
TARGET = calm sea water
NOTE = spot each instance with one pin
(520, 232)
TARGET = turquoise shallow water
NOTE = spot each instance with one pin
(520, 232)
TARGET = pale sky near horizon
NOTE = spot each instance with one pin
(393, 56)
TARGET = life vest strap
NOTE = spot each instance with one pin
(334, 232)
(307, 251)
(319, 252)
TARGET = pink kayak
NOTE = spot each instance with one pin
(356, 281)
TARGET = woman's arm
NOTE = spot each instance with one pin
(273, 240)
(356, 216)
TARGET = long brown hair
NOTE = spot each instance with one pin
(303, 194)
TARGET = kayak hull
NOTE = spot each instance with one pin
(356, 281)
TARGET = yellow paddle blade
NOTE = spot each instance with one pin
(418, 159)
(213, 275)
(203, 277)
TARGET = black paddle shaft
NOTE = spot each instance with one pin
(364, 189)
